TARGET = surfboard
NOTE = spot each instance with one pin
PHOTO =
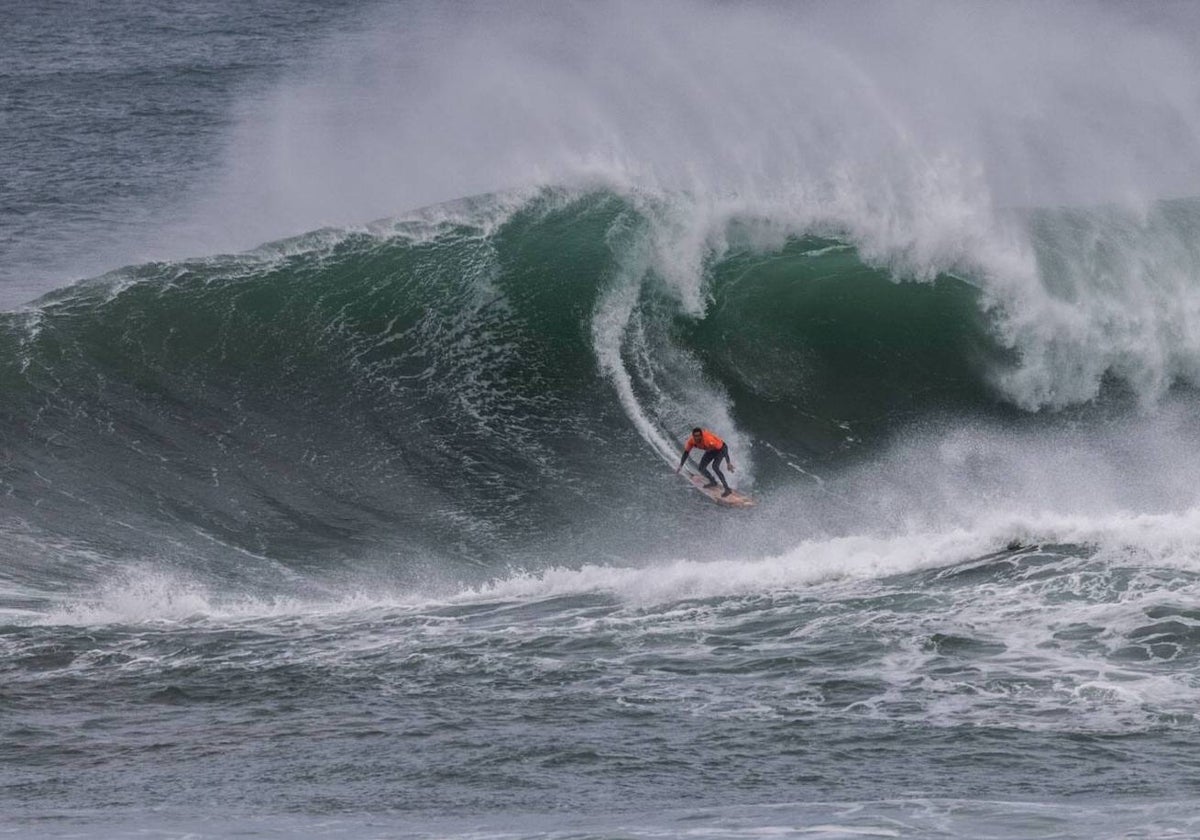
(734, 499)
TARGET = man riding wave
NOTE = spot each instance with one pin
(715, 450)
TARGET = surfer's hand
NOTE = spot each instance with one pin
(731, 469)
(677, 469)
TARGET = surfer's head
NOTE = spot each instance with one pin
(697, 434)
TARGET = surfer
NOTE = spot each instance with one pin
(715, 450)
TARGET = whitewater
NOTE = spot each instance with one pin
(346, 354)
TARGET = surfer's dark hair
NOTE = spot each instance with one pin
(697, 431)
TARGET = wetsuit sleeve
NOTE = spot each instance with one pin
(686, 449)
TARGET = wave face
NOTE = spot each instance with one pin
(470, 382)
(502, 379)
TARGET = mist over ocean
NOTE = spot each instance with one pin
(346, 351)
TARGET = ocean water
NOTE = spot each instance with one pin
(346, 351)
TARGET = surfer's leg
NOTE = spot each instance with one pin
(705, 460)
(720, 475)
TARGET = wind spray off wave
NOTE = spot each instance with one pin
(817, 119)
(379, 519)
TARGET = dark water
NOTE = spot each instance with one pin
(372, 532)
(112, 111)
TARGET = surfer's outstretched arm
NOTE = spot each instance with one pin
(682, 461)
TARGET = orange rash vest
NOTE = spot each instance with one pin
(708, 442)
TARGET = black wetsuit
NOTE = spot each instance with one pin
(714, 457)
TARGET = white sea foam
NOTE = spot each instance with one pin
(138, 595)
(1018, 611)
(879, 123)
(144, 594)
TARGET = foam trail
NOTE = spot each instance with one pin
(671, 252)
(609, 326)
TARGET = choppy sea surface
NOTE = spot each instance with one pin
(346, 352)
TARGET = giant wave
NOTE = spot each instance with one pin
(499, 381)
